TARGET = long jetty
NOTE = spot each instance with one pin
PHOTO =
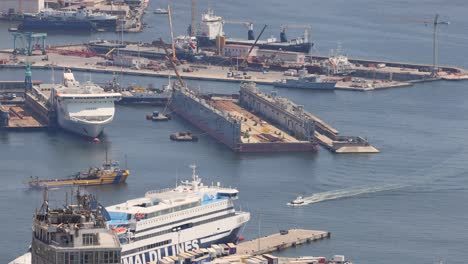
(279, 241)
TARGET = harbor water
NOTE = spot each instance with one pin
(407, 203)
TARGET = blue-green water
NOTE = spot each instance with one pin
(421, 132)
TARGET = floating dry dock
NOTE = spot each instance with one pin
(242, 131)
(294, 119)
(280, 241)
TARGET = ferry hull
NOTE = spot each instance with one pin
(56, 25)
(91, 130)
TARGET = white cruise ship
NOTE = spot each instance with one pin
(83, 108)
(162, 223)
(166, 222)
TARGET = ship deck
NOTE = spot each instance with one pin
(259, 130)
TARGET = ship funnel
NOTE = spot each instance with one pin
(250, 33)
(283, 37)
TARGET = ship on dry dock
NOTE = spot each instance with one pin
(242, 131)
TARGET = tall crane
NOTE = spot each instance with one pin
(169, 15)
(193, 26)
(244, 62)
(435, 54)
(249, 25)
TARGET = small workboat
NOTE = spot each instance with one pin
(183, 136)
(160, 11)
(297, 202)
(108, 173)
(156, 116)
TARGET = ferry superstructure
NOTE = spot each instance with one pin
(165, 222)
(83, 109)
(75, 233)
(79, 19)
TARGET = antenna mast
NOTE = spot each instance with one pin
(193, 26)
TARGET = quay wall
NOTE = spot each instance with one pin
(395, 76)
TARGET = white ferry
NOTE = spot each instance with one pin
(169, 221)
(162, 223)
(84, 109)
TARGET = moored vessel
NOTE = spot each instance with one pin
(306, 82)
(109, 173)
(211, 28)
(66, 19)
(84, 109)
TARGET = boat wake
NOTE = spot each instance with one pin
(345, 193)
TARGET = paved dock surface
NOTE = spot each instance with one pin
(280, 241)
(257, 129)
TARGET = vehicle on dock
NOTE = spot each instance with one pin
(297, 202)
(183, 136)
(156, 116)
(160, 11)
(109, 173)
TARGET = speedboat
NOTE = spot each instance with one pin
(160, 11)
(297, 202)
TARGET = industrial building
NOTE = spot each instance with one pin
(239, 51)
(21, 6)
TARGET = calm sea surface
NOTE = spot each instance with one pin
(411, 202)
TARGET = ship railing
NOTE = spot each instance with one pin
(149, 193)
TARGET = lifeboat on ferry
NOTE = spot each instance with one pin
(119, 230)
(139, 216)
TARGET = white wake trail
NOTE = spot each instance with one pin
(349, 192)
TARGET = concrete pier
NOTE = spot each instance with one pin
(280, 241)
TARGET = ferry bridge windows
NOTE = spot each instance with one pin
(89, 239)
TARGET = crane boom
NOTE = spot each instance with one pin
(169, 15)
(181, 82)
(244, 62)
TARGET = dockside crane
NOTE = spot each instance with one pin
(249, 25)
(435, 50)
(169, 15)
(244, 62)
(163, 44)
(285, 27)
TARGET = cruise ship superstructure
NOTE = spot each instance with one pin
(76, 233)
(83, 109)
(165, 222)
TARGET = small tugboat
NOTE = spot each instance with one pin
(156, 116)
(160, 11)
(108, 173)
(297, 202)
(183, 136)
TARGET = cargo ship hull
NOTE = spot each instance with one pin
(284, 46)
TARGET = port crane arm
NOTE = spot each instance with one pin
(169, 15)
(244, 62)
(172, 63)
